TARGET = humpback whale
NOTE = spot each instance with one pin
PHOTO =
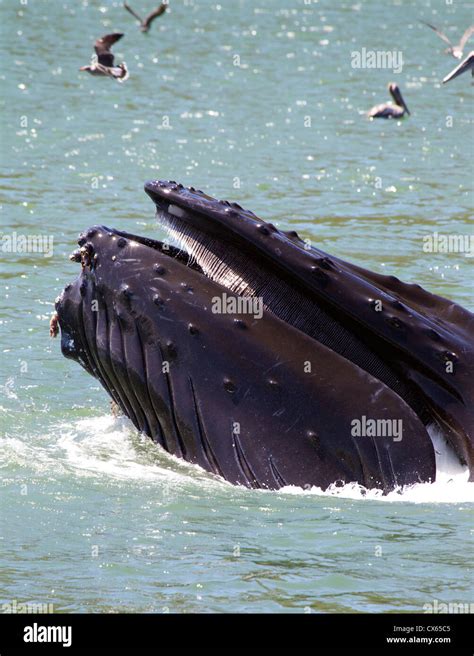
(268, 363)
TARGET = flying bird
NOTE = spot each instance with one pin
(453, 49)
(145, 24)
(387, 110)
(103, 63)
(466, 65)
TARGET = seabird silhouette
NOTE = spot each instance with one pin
(454, 50)
(466, 65)
(146, 23)
(103, 64)
(387, 110)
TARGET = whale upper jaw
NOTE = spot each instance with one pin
(388, 362)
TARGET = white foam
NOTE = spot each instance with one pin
(453, 491)
(448, 466)
(451, 484)
(8, 389)
(98, 447)
(110, 446)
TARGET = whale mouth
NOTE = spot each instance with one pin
(222, 240)
(219, 262)
(204, 236)
(154, 296)
(248, 256)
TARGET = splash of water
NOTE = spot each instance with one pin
(110, 446)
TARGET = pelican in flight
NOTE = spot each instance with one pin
(146, 23)
(103, 64)
(387, 110)
(454, 50)
(466, 65)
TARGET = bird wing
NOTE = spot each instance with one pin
(466, 36)
(464, 66)
(438, 32)
(154, 14)
(102, 48)
(134, 13)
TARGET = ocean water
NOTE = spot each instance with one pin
(94, 517)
